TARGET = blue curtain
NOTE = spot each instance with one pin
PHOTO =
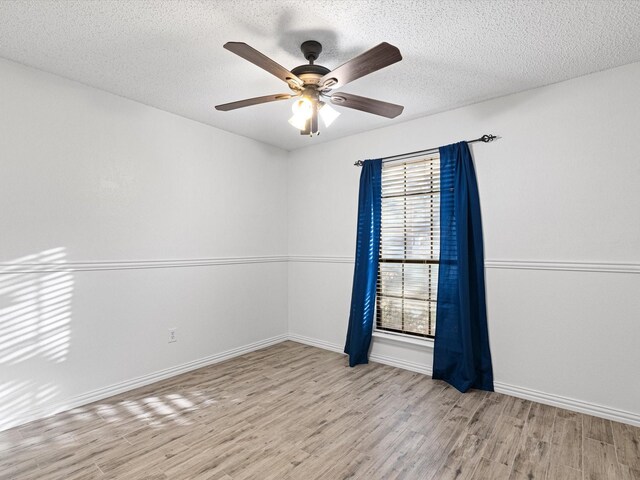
(461, 351)
(363, 295)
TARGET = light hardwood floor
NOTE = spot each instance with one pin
(297, 412)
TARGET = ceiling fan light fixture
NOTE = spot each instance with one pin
(299, 122)
(303, 108)
(328, 114)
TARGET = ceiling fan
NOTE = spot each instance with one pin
(311, 84)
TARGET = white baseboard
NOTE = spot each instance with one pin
(314, 342)
(500, 387)
(567, 403)
(376, 358)
(117, 388)
(400, 363)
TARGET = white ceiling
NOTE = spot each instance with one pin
(169, 54)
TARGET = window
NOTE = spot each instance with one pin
(409, 247)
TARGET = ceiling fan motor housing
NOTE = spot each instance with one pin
(310, 74)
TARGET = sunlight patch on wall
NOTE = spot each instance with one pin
(21, 398)
(35, 321)
(35, 308)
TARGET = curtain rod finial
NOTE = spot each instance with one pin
(359, 163)
(488, 138)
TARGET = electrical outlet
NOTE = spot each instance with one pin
(173, 337)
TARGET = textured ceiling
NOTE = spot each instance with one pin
(169, 54)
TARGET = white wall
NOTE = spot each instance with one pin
(560, 195)
(115, 189)
(145, 221)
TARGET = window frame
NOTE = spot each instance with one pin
(433, 230)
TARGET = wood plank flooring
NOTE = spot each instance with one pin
(297, 412)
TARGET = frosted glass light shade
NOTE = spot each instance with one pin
(328, 114)
(303, 108)
(298, 121)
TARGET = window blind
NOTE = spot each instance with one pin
(409, 247)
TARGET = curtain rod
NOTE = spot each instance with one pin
(485, 138)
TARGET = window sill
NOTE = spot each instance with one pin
(400, 338)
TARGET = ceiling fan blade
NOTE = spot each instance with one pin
(254, 56)
(369, 105)
(368, 62)
(253, 101)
